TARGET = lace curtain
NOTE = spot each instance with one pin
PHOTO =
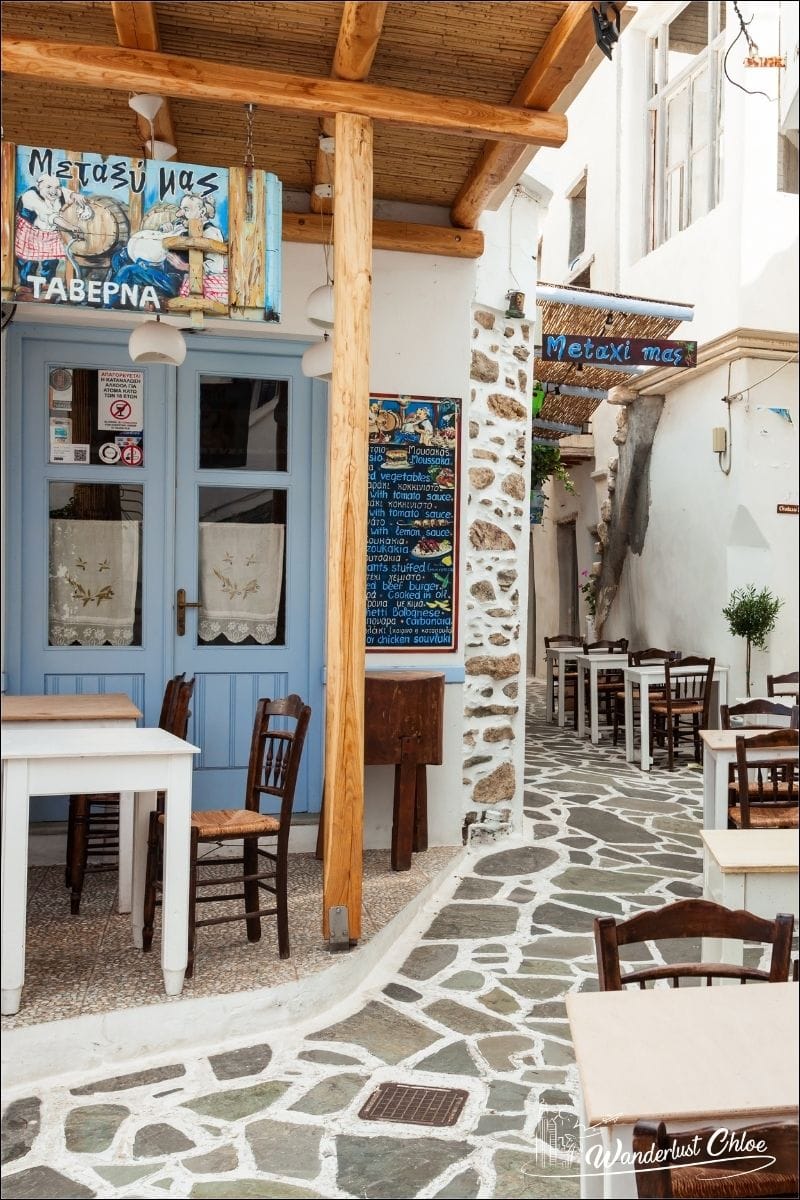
(241, 572)
(94, 569)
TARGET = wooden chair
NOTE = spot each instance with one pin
(651, 657)
(570, 677)
(691, 919)
(766, 791)
(93, 820)
(755, 714)
(784, 685)
(608, 682)
(675, 1164)
(687, 694)
(275, 754)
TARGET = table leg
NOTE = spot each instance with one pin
(726, 889)
(590, 1141)
(619, 1178)
(548, 704)
(175, 897)
(722, 695)
(720, 820)
(421, 810)
(405, 786)
(562, 670)
(124, 888)
(16, 808)
(644, 722)
(593, 701)
(580, 700)
(143, 804)
(709, 787)
(629, 753)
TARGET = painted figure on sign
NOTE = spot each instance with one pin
(418, 424)
(145, 262)
(215, 266)
(38, 244)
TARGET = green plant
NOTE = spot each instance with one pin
(752, 615)
(589, 593)
(546, 461)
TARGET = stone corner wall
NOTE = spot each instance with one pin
(496, 568)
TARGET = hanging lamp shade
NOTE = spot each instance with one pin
(146, 105)
(317, 362)
(160, 150)
(319, 306)
(155, 342)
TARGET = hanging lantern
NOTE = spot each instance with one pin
(155, 342)
(317, 362)
(319, 306)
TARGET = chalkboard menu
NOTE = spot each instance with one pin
(413, 509)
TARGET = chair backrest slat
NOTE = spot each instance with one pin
(784, 685)
(653, 657)
(768, 715)
(275, 754)
(767, 782)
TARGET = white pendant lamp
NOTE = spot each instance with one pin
(319, 306)
(146, 105)
(317, 362)
(160, 150)
(156, 342)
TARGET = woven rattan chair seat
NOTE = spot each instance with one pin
(700, 1182)
(772, 816)
(678, 706)
(233, 822)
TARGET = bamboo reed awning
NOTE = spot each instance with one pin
(588, 322)
(517, 56)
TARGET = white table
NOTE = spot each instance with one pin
(646, 678)
(591, 665)
(689, 1056)
(719, 753)
(113, 710)
(560, 656)
(98, 760)
(754, 869)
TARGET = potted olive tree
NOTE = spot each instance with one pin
(752, 615)
(545, 461)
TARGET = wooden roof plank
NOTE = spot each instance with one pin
(564, 52)
(392, 235)
(137, 28)
(194, 78)
(359, 34)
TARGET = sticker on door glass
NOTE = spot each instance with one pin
(130, 449)
(120, 401)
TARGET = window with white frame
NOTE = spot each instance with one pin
(685, 119)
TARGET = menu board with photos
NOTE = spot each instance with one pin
(413, 514)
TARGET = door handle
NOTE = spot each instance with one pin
(181, 605)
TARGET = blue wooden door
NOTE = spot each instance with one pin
(248, 553)
(231, 510)
(85, 568)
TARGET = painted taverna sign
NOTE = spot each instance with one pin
(127, 233)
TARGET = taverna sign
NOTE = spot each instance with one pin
(108, 232)
(630, 352)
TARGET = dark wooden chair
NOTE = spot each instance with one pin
(651, 657)
(755, 714)
(784, 685)
(691, 919)
(683, 1164)
(609, 681)
(568, 678)
(93, 820)
(766, 791)
(275, 754)
(687, 694)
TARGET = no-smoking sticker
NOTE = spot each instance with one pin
(132, 456)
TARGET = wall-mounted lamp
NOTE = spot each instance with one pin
(317, 362)
(516, 304)
(155, 342)
(606, 26)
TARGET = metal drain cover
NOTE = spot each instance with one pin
(411, 1105)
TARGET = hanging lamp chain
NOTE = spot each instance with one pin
(249, 157)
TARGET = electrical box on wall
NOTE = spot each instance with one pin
(719, 440)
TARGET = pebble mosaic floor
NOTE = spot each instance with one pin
(478, 1004)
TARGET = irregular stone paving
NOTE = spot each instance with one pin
(478, 1004)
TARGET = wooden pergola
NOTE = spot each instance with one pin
(428, 103)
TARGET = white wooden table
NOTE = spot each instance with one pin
(98, 760)
(113, 710)
(689, 1056)
(591, 665)
(754, 869)
(558, 656)
(646, 678)
(719, 753)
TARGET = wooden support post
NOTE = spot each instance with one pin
(347, 523)
(7, 216)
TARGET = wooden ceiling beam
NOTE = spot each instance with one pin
(568, 46)
(137, 29)
(392, 235)
(359, 34)
(197, 79)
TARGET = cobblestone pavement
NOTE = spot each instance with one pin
(478, 1004)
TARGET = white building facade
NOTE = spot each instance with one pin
(679, 185)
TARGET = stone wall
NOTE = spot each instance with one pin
(497, 478)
